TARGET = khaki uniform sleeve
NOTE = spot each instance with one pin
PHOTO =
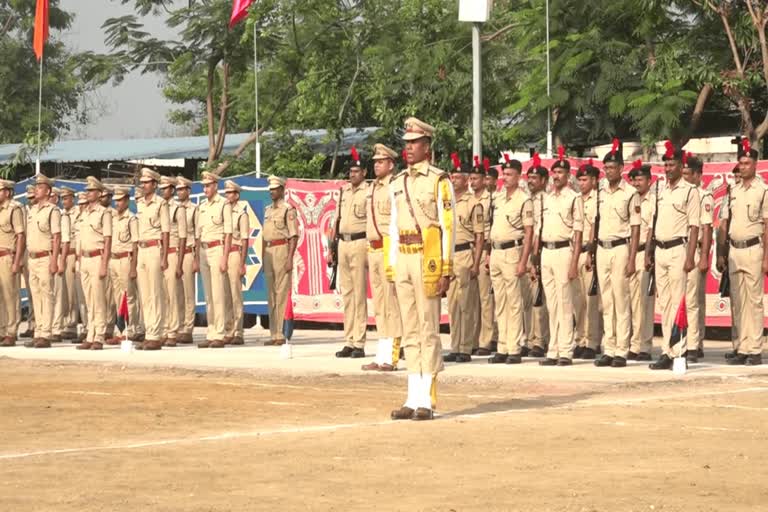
(133, 229)
(244, 226)
(538, 205)
(527, 213)
(293, 223)
(634, 210)
(106, 224)
(18, 220)
(66, 230)
(165, 218)
(707, 207)
(478, 219)
(765, 204)
(198, 228)
(226, 212)
(55, 221)
(693, 208)
(724, 207)
(181, 219)
(578, 214)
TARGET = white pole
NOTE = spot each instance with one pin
(256, 101)
(39, 116)
(549, 97)
(477, 93)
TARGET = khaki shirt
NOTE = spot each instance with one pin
(510, 215)
(193, 218)
(378, 208)
(43, 222)
(280, 222)
(352, 209)
(215, 219)
(485, 201)
(74, 215)
(750, 210)
(154, 219)
(707, 207)
(95, 227)
(470, 220)
(647, 209)
(241, 228)
(66, 227)
(11, 224)
(563, 214)
(178, 218)
(125, 227)
(619, 211)
(679, 208)
(590, 210)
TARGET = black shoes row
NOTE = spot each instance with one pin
(354, 353)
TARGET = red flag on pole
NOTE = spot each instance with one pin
(239, 11)
(41, 27)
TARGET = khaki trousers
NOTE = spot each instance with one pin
(70, 313)
(642, 307)
(30, 299)
(119, 270)
(586, 308)
(420, 316)
(745, 268)
(695, 303)
(152, 292)
(60, 304)
(386, 309)
(278, 284)
(559, 292)
(217, 295)
(508, 290)
(111, 317)
(9, 298)
(235, 318)
(173, 294)
(95, 290)
(353, 281)
(81, 304)
(188, 285)
(670, 289)
(41, 284)
(463, 304)
(536, 318)
(488, 328)
(615, 297)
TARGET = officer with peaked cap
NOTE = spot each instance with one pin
(214, 235)
(30, 332)
(172, 275)
(154, 233)
(68, 264)
(82, 307)
(280, 235)
(60, 293)
(238, 256)
(12, 244)
(189, 269)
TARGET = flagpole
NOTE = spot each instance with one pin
(256, 100)
(39, 116)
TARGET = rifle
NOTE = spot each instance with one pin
(725, 278)
(650, 247)
(538, 300)
(334, 246)
(594, 286)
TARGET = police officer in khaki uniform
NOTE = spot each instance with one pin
(536, 317)
(95, 253)
(745, 219)
(238, 257)
(587, 307)
(463, 293)
(69, 260)
(123, 265)
(12, 245)
(353, 261)
(44, 244)
(154, 233)
(214, 241)
(561, 213)
(60, 303)
(172, 275)
(386, 309)
(676, 241)
(189, 269)
(82, 307)
(420, 260)
(617, 242)
(486, 327)
(511, 242)
(110, 338)
(280, 235)
(696, 287)
(30, 332)
(641, 342)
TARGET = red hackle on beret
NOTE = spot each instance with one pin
(746, 145)
(355, 155)
(670, 149)
(456, 160)
(637, 164)
(536, 160)
(615, 146)
(560, 152)
(506, 158)
(477, 161)
(486, 164)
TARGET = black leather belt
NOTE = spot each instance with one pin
(463, 247)
(352, 237)
(610, 244)
(586, 248)
(744, 244)
(669, 244)
(503, 246)
(555, 245)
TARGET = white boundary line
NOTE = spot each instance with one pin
(344, 426)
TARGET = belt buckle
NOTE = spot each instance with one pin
(608, 244)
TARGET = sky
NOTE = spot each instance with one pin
(134, 109)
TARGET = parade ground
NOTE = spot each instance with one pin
(240, 429)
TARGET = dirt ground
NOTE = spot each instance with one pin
(106, 437)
